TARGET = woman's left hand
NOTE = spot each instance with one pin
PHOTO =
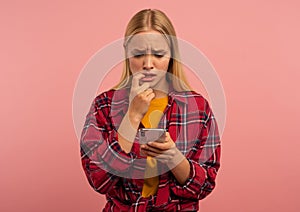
(163, 150)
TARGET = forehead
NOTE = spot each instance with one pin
(148, 40)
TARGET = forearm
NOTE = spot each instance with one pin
(182, 171)
(201, 180)
(99, 141)
(127, 131)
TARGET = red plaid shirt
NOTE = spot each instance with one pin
(119, 175)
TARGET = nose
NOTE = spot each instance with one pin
(148, 62)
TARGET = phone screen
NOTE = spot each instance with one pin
(150, 134)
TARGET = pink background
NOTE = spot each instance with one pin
(253, 45)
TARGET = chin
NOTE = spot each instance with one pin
(157, 85)
(154, 84)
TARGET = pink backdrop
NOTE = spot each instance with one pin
(254, 46)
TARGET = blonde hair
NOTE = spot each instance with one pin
(153, 19)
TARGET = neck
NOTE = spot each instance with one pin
(161, 90)
(159, 94)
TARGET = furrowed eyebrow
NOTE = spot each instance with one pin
(159, 51)
(145, 49)
(138, 50)
(153, 50)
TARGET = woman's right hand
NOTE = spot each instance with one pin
(139, 98)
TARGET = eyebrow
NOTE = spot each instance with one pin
(153, 50)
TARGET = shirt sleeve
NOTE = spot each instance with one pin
(204, 160)
(103, 160)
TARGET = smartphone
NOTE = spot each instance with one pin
(150, 134)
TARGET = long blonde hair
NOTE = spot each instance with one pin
(153, 19)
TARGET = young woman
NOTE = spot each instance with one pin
(179, 168)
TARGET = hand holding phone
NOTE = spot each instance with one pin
(150, 134)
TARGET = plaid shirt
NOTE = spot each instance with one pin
(119, 175)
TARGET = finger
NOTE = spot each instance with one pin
(157, 145)
(143, 87)
(150, 97)
(161, 146)
(149, 153)
(157, 155)
(148, 91)
(143, 153)
(163, 157)
(136, 79)
(168, 137)
(155, 150)
(170, 152)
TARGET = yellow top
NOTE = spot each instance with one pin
(155, 112)
(151, 120)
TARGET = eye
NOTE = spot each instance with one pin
(137, 55)
(159, 55)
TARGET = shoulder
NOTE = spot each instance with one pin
(191, 98)
(104, 97)
(106, 94)
(112, 96)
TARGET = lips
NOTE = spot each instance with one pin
(148, 77)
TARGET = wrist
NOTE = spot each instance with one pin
(135, 118)
(127, 129)
(176, 160)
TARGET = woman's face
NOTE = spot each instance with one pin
(149, 54)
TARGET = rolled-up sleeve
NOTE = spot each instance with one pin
(103, 159)
(204, 160)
